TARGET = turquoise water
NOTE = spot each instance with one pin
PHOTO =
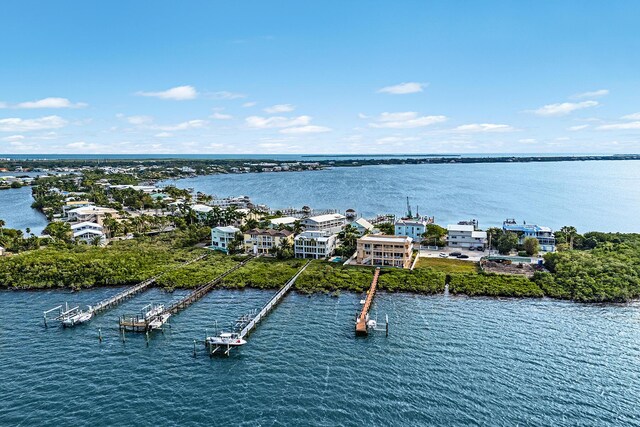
(596, 195)
(448, 361)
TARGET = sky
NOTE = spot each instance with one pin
(278, 77)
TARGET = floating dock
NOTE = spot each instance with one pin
(363, 318)
(156, 318)
(224, 342)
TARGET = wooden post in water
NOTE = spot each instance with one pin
(100, 334)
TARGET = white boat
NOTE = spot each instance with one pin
(159, 321)
(225, 339)
(76, 317)
(151, 310)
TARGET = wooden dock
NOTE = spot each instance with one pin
(361, 321)
(272, 303)
(137, 323)
(133, 290)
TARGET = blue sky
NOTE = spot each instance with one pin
(320, 77)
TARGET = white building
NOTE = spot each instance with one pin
(285, 220)
(465, 236)
(90, 214)
(413, 228)
(362, 225)
(315, 244)
(328, 222)
(222, 236)
(88, 231)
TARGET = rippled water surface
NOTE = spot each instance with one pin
(447, 360)
(594, 195)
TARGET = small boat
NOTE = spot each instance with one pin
(159, 321)
(76, 317)
(225, 339)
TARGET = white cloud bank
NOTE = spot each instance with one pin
(276, 122)
(564, 108)
(403, 88)
(51, 102)
(405, 120)
(484, 127)
(305, 129)
(15, 124)
(593, 94)
(279, 108)
(178, 93)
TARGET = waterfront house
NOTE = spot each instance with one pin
(265, 241)
(74, 204)
(315, 244)
(2, 251)
(362, 225)
(543, 234)
(285, 221)
(88, 232)
(466, 236)
(90, 214)
(328, 222)
(222, 236)
(412, 227)
(384, 250)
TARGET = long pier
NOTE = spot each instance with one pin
(129, 292)
(361, 321)
(272, 303)
(158, 315)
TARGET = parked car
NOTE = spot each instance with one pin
(442, 255)
(455, 254)
(472, 248)
(462, 256)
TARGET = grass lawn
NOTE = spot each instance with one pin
(447, 265)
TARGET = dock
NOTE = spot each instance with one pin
(272, 303)
(157, 316)
(363, 318)
(129, 292)
(224, 342)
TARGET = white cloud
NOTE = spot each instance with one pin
(139, 120)
(228, 95)
(405, 120)
(578, 127)
(276, 122)
(564, 108)
(178, 93)
(362, 116)
(403, 88)
(48, 103)
(13, 138)
(279, 108)
(634, 116)
(163, 135)
(305, 129)
(484, 127)
(592, 94)
(82, 145)
(221, 116)
(249, 104)
(191, 124)
(272, 145)
(15, 124)
(620, 126)
(528, 141)
(396, 140)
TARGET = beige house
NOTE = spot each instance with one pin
(259, 241)
(383, 250)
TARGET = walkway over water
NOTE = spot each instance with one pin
(361, 322)
(156, 318)
(118, 298)
(272, 303)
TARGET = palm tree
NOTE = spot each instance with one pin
(570, 232)
(96, 240)
(2, 224)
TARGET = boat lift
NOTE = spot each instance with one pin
(67, 316)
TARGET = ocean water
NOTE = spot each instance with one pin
(593, 195)
(447, 361)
